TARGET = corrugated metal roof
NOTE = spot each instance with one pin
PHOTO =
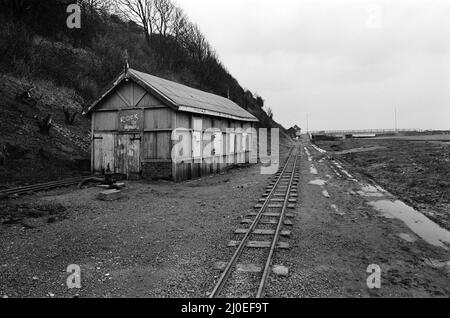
(184, 98)
(191, 99)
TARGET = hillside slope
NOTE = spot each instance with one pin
(28, 156)
(70, 67)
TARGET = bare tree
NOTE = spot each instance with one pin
(98, 5)
(139, 11)
(179, 24)
(196, 43)
(269, 112)
(164, 10)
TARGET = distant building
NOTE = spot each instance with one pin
(294, 131)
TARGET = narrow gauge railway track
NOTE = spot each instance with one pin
(254, 251)
(40, 186)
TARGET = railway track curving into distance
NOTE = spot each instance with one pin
(256, 249)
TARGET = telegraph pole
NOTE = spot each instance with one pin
(395, 117)
(307, 123)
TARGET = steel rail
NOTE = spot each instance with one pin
(268, 264)
(37, 184)
(41, 186)
(226, 273)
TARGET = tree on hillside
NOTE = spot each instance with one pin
(179, 24)
(163, 15)
(269, 113)
(157, 34)
(259, 101)
(139, 11)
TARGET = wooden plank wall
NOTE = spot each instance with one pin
(187, 168)
(155, 130)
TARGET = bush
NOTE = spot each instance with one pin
(15, 47)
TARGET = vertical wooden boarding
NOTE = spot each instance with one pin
(128, 156)
(97, 153)
(92, 142)
(121, 154)
(134, 162)
(108, 152)
(103, 152)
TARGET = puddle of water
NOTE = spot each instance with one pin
(336, 172)
(368, 190)
(407, 237)
(313, 170)
(416, 221)
(336, 210)
(325, 193)
(345, 172)
(318, 182)
(318, 149)
(308, 153)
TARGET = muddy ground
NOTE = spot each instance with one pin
(163, 240)
(416, 171)
(160, 240)
(337, 235)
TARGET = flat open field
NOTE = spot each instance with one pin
(435, 138)
(415, 168)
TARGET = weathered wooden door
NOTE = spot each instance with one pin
(103, 152)
(128, 154)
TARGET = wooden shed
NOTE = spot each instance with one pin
(134, 123)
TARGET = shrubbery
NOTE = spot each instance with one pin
(35, 43)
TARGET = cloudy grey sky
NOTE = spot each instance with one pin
(347, 64)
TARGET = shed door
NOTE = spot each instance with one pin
(128, 155)
(103, 152)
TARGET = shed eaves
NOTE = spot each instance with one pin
(190, 99)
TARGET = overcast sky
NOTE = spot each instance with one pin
(347, 64)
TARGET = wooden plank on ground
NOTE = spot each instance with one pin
(267, 221)
(260, 244)
(271, 214)
(263, 232)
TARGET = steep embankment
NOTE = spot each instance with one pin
(27, 155)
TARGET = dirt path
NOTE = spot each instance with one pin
(338, 234)
(160, 240)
